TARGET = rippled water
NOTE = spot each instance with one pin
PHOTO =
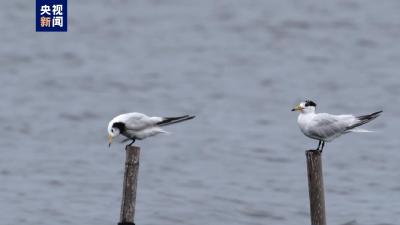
(239, 66)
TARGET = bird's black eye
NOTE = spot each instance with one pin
(112, 130)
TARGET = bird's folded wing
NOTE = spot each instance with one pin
(139, 121)
(325, 125)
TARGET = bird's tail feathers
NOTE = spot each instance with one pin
(165, 132)
(364, 119)
(171, 120)
(358, 130)
(370, 116)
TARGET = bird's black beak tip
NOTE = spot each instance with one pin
(293, 110)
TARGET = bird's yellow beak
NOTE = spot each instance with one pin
(110, 138)
(297, 108)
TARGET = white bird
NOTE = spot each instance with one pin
(325, 127)
(138, 126)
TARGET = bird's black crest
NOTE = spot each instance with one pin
(120, 126)
(310, 103)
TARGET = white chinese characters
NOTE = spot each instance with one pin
(57, 10)
(51, 16)
(58, 21)
(45, 9)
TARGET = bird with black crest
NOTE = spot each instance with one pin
(326, 127)
(138, 126)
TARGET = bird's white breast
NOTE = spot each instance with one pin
(304, 121)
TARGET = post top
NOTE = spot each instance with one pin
(132, 147)
(312, 151)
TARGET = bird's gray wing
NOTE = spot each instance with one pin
(139, 121)
(326, 126)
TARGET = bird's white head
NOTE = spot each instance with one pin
(307, 106)
(113, 131)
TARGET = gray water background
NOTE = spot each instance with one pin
(239, 66)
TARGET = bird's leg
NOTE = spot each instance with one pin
(322, 147)
(133, 141)
(319, 144)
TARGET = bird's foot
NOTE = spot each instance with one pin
(318, 150)
(319, 145)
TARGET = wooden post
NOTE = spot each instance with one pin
(316, 187)
(130, 186)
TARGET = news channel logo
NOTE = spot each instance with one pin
(51, 16)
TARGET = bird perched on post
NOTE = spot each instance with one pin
(325, 127)
(137, 126)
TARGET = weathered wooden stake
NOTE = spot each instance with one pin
(130, 186)
(316, 187)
